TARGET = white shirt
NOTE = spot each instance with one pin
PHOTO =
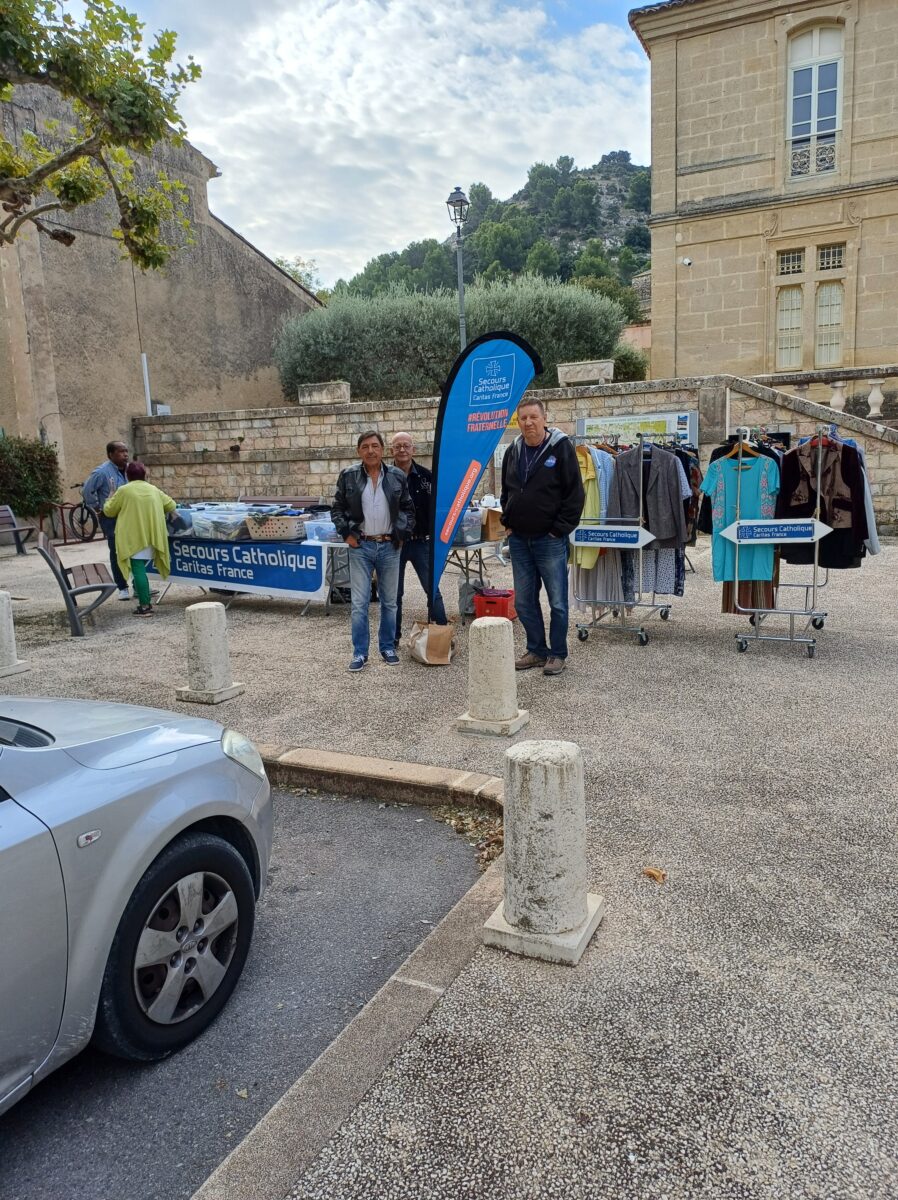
(375, 508)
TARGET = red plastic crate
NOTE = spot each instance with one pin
(495, 602)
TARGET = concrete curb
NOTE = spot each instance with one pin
(275, 1154)
(380, 778)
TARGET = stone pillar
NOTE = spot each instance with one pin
(801, 390)
(10, 663)
(547, 912)
(875, 398)
(208, 660)
(492, 683)
(837, 400)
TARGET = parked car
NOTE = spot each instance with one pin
(134, 844)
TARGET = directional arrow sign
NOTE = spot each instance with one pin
(762, 533)
(621, 537)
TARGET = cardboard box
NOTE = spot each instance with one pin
(492, 529)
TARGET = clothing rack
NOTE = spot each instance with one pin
(814, 617)
(637, 537)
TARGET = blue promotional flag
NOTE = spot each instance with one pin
(479, 398)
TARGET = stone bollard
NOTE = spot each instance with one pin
(208, 661)
(492, 684)
(547, 912)
(10, 663)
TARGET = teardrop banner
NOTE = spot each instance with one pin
(479, 398)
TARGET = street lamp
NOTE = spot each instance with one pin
(458, 205)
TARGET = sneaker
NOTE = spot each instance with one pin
(391, 658)
(554, 666)
(124, 594)
(143, 610)
(529, 660)
(356, 662)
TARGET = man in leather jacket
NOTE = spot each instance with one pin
(374, 514)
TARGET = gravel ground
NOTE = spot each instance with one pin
(729, 1033)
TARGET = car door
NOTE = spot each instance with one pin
(34, 943)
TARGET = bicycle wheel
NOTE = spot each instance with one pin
(83, 522)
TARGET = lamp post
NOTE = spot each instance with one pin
(458, 205)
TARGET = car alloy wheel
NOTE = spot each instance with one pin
(179, 949)
(186, 947)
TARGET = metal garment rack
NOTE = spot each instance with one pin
(619, 610)
(814, 618)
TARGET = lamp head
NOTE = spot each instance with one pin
(458, 205)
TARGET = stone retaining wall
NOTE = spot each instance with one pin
(300, 450)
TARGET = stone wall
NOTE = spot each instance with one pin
(74, 319)
(300, 450)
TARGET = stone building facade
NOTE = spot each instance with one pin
(74, 320)
(300, 450)
(774, 184)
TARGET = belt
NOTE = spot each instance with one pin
(377, 537)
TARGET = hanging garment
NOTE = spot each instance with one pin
(757, 483)
(600, 583)
(587, 556)
(662, 501)
(872, 542)
(841, 502)
(663, 573)
(705, 522)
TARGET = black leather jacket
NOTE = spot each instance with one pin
(346, 510)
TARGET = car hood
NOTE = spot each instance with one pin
(108, 736)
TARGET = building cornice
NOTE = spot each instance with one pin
(736, 204)
(672, 17)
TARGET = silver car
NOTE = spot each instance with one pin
(134, 844)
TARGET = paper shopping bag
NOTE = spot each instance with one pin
(431, 644)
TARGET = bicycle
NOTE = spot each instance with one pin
(82, 519)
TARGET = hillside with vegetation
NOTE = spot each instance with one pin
(586, 225)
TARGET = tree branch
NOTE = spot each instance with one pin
(13, 224)
(18, 186)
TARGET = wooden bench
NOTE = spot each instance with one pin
(77, 581)
(9, 524)
(289, 501)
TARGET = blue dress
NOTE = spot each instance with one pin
(759, 486)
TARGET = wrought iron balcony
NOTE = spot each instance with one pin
(815, 155)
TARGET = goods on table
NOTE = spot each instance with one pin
(276, 526)
(468, 532)
(220, 522)
(321, 529)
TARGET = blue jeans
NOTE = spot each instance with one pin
(536, 560)
(364, 560)
(417, 552)
(107, 524)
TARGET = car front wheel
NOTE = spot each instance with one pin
(178, 951)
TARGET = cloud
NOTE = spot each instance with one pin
(340, 126)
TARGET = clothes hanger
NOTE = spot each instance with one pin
(747, 449)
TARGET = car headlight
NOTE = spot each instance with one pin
(241, 750)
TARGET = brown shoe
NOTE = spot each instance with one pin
(529, 660)
(554, 666)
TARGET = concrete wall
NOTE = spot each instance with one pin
(76, 318)
(723, 195)
(300, 450)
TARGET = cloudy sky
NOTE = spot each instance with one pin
(340, 126)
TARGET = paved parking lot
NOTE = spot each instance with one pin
(354, 887)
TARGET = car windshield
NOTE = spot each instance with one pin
(23, 737)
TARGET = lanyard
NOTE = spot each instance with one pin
(528, 462)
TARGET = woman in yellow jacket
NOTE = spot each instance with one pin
(141, 535)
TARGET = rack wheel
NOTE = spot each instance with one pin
(742, 645)
(664, 614)
(812, 649)
(752, 620)
(818, 622)
(582, 635)
(642, 638)
(615, 612)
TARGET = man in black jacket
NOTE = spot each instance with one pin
(542, 499)
(374, 515)
(417, 548)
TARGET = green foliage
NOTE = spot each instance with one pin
(543, 259)
(630, 365)
(29, 475)
(592, 260)
(613, 288)
(638, 238)
(303, 270)
(124, 97)
(402, 344)
(639, 195)
(559, 205)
